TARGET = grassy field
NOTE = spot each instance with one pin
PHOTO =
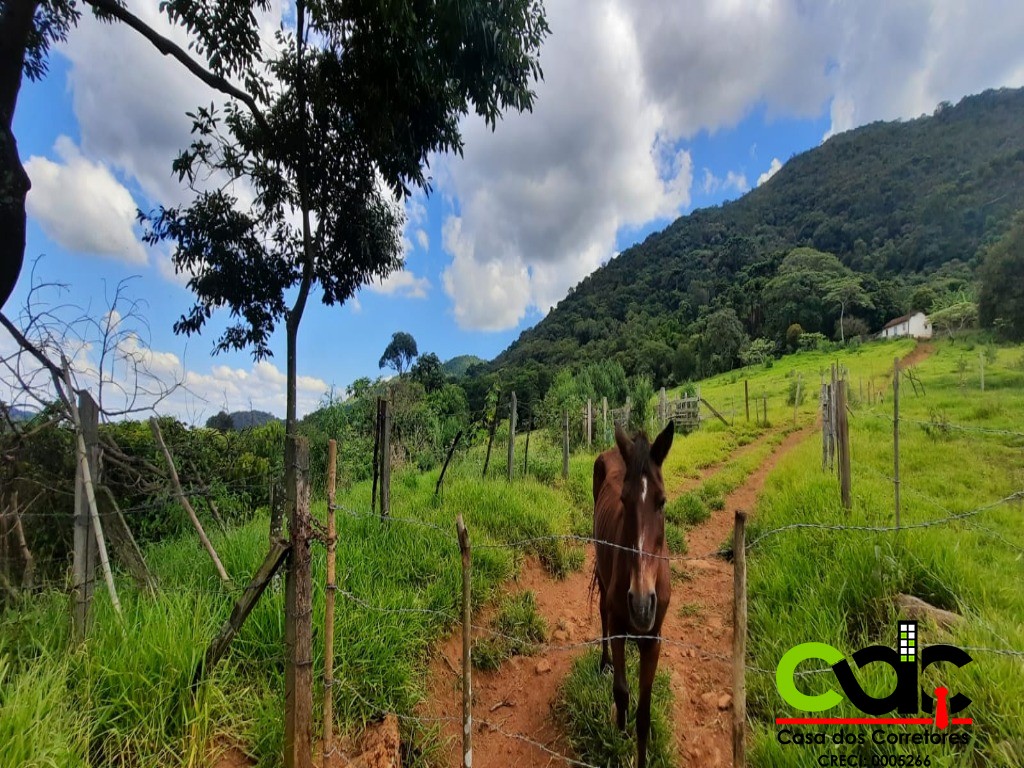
(837, 587)
(122, 698)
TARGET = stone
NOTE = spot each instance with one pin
(724, 701)
(560, 635)
(543, 666)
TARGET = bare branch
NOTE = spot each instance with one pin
(168, 48)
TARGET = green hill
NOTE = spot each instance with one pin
(904, 206)
(458, 366)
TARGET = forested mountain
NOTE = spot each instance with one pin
(887, 217)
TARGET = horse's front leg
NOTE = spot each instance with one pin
(606, 659)
(650, 650)
(620, 686)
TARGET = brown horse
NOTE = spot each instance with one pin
(631, 570)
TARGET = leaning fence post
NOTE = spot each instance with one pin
(467, 645)
(298, 674)
(332, 587)
(896, 435)
(565, 447)
(739, 641)
(746, 397)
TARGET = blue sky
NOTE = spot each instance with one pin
(647, 111)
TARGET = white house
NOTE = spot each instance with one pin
(916, 325)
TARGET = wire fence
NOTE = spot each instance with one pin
(531, 647)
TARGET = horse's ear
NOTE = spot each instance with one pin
(625, 444)
(662, 443)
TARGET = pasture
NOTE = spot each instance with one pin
(122, 697)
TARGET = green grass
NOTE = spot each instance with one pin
(585, 708)
(124, 695)
(518, 627)
(837, 587)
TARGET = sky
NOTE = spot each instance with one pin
(648, 110)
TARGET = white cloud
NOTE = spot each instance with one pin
(542, 199)
(773, 168)
(401, 283)
(423, 239)
(130, 101)
(734, 181)
(539, 202)
(81, 206)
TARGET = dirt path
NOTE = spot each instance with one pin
(517, 698)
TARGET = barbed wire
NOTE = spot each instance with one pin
(886, 529)
(943, 425)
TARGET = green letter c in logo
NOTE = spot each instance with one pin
(784, 674)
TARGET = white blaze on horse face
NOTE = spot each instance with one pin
(643, 488)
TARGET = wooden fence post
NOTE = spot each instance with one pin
(796, 398)
(565, 447)
(490, 440)
(447, 460)
(385, 463)
(604, 420)
(746, 397)
(298, 675)
(512, 424)
(739, 641)
(981, 361)
(467, 645)
(662, 409)
(179, 492)
(87, 445)
(896, 435)
(84, 541)
(279, 549)
(590, 423)
(332, 588)
(764, 407)
(377, 428)
(844, 445)
(526, 451)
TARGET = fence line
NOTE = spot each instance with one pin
(939, 424)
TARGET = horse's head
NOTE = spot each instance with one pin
(643, 499)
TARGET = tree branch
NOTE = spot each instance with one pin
(33, 350)
(169, 48)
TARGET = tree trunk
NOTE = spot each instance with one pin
(15, 29)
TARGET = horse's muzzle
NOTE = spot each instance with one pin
(642, 609)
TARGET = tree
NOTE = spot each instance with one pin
(1000, 300)
(380, 88)
(758, 352)
(798, 292)
(793, 334)
(221, 422)
(846, 291)
(720, 342)
(428, 371)
(399, 352)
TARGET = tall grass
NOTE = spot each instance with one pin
(837, 587)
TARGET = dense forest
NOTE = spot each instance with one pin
(875, 222)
